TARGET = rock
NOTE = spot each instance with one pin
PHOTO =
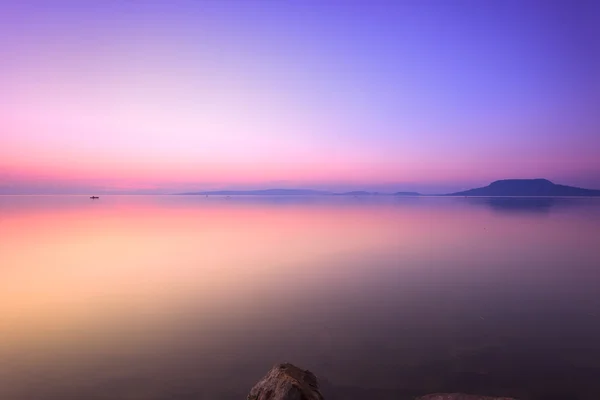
(459, 396)
(286, 382)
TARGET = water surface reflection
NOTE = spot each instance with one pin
(185, 297)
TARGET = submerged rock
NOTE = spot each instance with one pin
(459, 396)
(286, 382)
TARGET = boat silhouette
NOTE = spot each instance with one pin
(94, 197)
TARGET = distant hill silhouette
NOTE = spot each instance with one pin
(266, 192)
(293, 192)
(506, 187)
(527, 187)
(407, 194)
(358, 193)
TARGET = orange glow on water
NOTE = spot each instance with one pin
(120, 258)
(115, 282)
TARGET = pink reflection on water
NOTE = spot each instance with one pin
(124, 278)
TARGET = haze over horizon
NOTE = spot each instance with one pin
(427, 96)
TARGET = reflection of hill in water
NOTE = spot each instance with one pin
(535, 205)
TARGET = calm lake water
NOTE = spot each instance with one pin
(185, 297)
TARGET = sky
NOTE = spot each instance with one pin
(169, 96)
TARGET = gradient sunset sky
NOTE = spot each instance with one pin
(169, 96)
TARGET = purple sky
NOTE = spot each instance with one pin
(169, 96)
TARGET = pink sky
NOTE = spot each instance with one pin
(189, 97)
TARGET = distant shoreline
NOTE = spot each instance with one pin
(502, 188)
(508, 188)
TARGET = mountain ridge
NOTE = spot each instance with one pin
(291, 192)
(260, 192)
(538, 187)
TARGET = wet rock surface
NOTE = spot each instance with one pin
(288, 382)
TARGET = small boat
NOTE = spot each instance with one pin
(94, 197)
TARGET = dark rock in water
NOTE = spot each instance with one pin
(286, 382)
(459, 396)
